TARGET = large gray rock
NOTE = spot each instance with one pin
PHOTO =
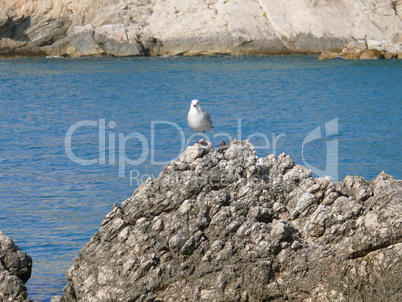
(83, 40)
(119, 40)
(225, 225)
(110, 39)
(12, 48)
(15, 270)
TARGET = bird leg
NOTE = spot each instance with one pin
(196, 137)
(204, 133)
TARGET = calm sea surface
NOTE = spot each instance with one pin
(136, 108)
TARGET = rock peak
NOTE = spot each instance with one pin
(225, 225)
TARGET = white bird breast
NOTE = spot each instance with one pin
(198, 119)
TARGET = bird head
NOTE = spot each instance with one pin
(194, 103)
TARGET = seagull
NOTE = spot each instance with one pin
(198, 119)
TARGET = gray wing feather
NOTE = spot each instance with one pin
(208, 118)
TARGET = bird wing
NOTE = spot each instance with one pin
(208, 118)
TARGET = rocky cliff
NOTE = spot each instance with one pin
(224, 225)
(159, 27)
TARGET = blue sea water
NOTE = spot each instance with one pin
(136, 108)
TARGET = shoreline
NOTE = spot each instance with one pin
(31, 51)
(325, 55)
(349, 52)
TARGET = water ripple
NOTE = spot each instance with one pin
(51, 206)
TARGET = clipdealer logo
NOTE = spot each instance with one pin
(108, 140)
